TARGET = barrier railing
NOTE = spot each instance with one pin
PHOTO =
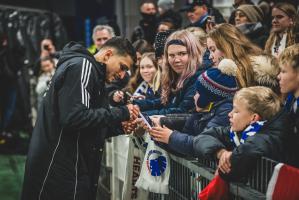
(189, 177)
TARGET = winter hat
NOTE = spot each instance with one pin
(217, 83)
(159, 44)
(166, 4)
(189, 4)
(266, 69)
(252, 12)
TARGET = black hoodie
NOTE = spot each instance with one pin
(73, 121)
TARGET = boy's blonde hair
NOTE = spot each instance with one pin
(260, 100)
(290, 56)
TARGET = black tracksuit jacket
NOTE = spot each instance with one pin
(73, 121)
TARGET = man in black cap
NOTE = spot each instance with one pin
(200, 13)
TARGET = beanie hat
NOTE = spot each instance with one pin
(252, 12)
(160, 41)
(217, 83)
(166, 4)
(266, 69)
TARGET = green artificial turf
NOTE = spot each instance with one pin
(11, 176)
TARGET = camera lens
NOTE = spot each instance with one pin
(46, 47)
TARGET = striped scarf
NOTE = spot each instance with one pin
(144, 89)
(251, 130)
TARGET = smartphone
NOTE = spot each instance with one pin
(147, 120)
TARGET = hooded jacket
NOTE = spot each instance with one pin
(181, 140)
(73, 121)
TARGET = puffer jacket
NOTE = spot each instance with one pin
(74, 119)
(181, 102)
(270, 141)
(182, 141)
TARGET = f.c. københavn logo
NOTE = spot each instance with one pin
(156, 163)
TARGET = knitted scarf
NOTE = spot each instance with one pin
(251, 130)
(144, 89)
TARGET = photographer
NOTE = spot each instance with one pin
(47, 48)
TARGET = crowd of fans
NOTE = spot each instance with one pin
(216, 82)
(214, 89)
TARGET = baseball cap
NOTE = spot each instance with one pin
(191, 3)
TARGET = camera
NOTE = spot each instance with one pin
(46, 47)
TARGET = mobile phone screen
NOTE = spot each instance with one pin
(146, 121)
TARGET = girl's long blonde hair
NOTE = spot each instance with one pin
(157, 78)
(171, 81)
(235, 45)
(290, 11)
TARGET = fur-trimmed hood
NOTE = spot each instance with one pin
(228, 67)
(265, 70)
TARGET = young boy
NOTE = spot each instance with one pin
(289, 84)
(258, 128)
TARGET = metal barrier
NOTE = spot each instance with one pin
(188, 177)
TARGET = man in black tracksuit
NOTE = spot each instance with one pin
(73, 121)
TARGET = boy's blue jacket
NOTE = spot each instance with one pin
(182, 141)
